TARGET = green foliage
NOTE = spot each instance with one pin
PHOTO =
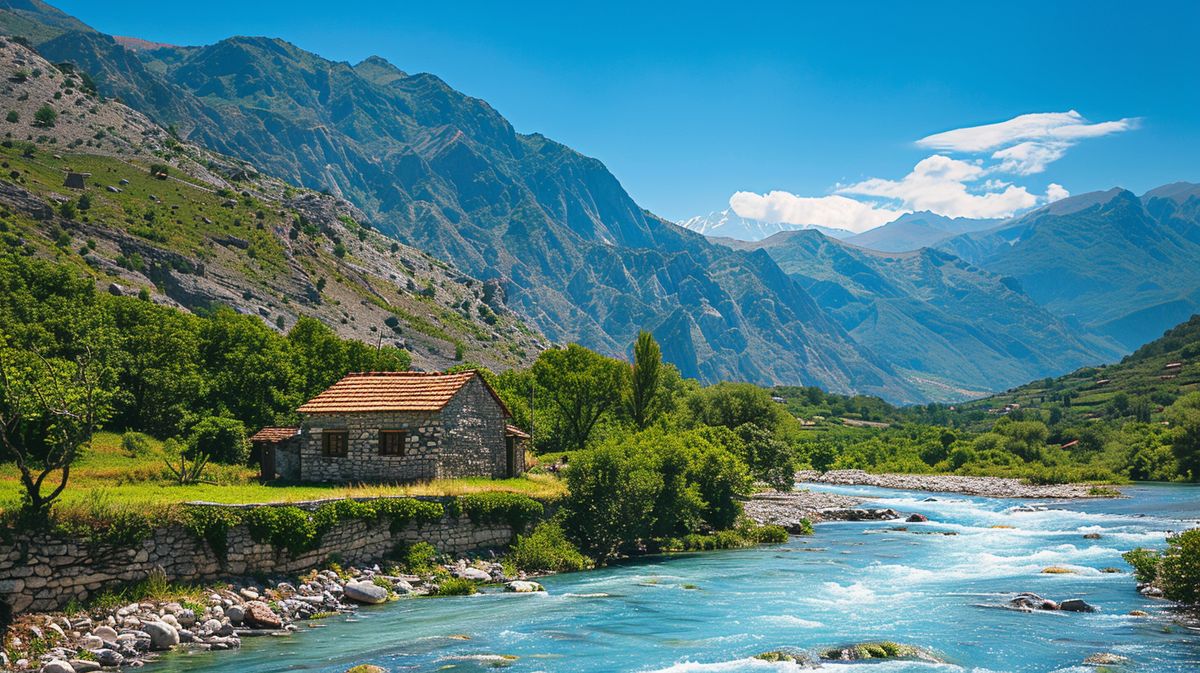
(45, 116)
(404, 511)
(456, 586)
(581, 387)
(286, 527)
(1179, 569)
(515, 509)
(644, 398)
(212, 524)
(1184, 416)
(1145, 563)
(137, 444)
(417, 558)
(221, 439)
(13, 117)
(546, 549)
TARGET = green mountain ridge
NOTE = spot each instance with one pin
(957, 329)
(445, 173)
(1119, 265)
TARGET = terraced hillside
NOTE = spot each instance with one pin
(103, 188)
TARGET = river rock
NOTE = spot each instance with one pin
(1106, 659)
(366, 668)
(879, 650)
(107, 657)
(523, 587)
(917, 518)
(1032, 601)
(475, 574)
(260, 616)
(365, 592)
(57, 666)
(162, 635)
(791, 656)
(91, 642)
(1076, 605)
(84, 666)
(236, 614)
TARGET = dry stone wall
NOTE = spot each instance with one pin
(44, 572)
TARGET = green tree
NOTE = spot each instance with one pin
(582, 387)
(249, 372)
(611, 500)
(221, 439)
(1179, 568)
(1184, 417)
(644, 398)
(45, 116)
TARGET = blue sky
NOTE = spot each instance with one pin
(822, 104)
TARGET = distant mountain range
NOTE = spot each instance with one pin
(728, 224)
(1114, 263)
(955, 329)
(995, 303)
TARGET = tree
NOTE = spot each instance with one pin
(49, 410)
(45, 116)
(644, 399)
(221, 439)
(1184, 416)
(611, 500)
(582, 387)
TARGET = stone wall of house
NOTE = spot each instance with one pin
(44, 572)
(362, 461)
(473, 444)
(465, 439)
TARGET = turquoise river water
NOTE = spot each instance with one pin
(850, 582)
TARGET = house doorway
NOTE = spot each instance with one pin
(510, 450)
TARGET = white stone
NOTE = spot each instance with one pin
(523, 587)
(365, 592)
(58, 666)
(107, 633)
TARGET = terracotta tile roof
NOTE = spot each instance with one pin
(514, 431)
(392, 391)
(274, 434)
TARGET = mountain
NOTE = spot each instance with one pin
(956, 330)
(1158, 372)
(728, 224)
(1119, 265)
(107, 191)
(446, 173)
(912, 231)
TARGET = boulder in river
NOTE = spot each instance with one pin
(162, 636)
(883, 649)
(260, 616)
(365, 592)
(523, 587)
(917, 518)
(792, 656)
(1076, 605)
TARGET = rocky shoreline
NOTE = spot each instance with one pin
(794, 510)
(991, 487)
(132, 635)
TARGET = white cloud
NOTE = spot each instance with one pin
(944, 184)
(939, 183)
(1025, 144)
(834, 211)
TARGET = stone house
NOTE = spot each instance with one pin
(394, 427)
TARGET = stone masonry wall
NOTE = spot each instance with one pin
(43, 572)
(473, 444)
(362, 461)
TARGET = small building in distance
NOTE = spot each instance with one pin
(76, 180)
(397, 427)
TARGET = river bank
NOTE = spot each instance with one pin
(220, 617)
(990, 487)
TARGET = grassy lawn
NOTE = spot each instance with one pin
(108, 477)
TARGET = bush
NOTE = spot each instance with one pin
(417, 558)
(1179, 569)
(546, 549)
(514, 509)
(221, 439)
(137, 444)
(45, 116)
(456, 586)
(770, 534)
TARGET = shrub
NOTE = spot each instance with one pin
(778, 534)
(221, 439)
(1179, 569)
(514, 509)
(456, 586)
(403, 511)
(45, 116)
(137, 444)
(546, 549)
(13, 117)
(212, 524)
(286, 527)
(417, 558)
(160, 171)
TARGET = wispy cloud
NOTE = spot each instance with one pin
(971, 185)
(1025, 144)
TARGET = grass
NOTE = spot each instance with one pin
(107, 475)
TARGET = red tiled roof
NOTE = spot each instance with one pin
(392, 391)
(274, 434)
(514, 431)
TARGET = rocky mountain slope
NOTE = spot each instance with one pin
(104, 188)
(446, 173)
(955, 329)
(1120, 265)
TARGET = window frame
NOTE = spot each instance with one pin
(327, 451)
(399, 450)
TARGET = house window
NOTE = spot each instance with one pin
(333, 443)
(391, 442)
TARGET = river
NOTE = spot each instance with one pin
(850, 582)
